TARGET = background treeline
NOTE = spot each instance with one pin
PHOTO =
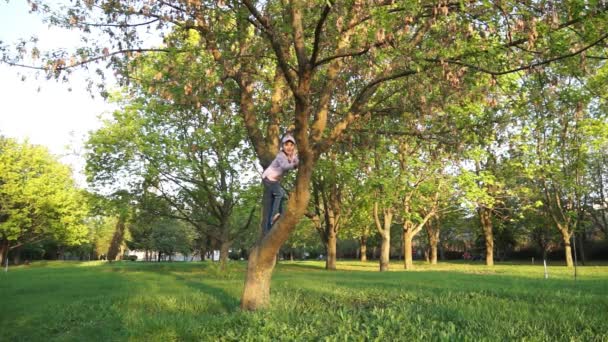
(512, 171)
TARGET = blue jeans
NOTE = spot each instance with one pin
(272, 202)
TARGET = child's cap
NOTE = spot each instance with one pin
(288, 137)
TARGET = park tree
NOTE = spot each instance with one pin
(38, 198)
(192, 155)
(329, 60)
(597, 127)
(420, 183)
(333, 182)
(170, 236)
(360, 221)
(558, 147)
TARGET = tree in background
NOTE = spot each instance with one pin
(38, 198)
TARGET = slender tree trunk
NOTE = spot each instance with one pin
(385, 250)
(432, 232)
(566, 235)
(580, 246)
(117, 239)
(408, 263)
(363, 248)
(332, 217)
(384, 228)
(16, 252)
(224, 251)
(60, 253)
(332, 239)
(3, 251)
(485, 217)
(433, 242)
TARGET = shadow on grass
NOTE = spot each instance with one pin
(226, 300)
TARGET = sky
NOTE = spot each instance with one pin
(53, 116)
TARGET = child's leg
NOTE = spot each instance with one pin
(267, 204)
(277, 193)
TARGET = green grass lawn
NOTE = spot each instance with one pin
(98, 301)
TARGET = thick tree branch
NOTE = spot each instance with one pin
(298, 35)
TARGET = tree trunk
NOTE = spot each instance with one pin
(117, 239)
(385, 249)
(384, 228)
(224, 251)
(332, 238)
(434, 241)
(256, 293)
(262, 258)
(3, 251)
(485, 217)
(60, 253)
(432, 231)
(408, 264)
(363, 248)
(567, 247)
(16, 256)
(580, 246)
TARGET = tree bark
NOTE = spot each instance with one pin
(331, 210)
(580, 246)
(117, 239)
(566, 235)
(4, 244)
(363, 248)
(224, 251)
(16, 256)
(385, 249)
(332, 239)
(485, 217)
(385, 232)
(432, 230)
(408, 263)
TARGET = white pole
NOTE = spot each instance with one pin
(546, 273)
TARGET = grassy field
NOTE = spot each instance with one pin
(98, 301)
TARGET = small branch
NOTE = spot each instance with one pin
(525, 67)
(124, 25)
(87, 61)
(318, 31)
